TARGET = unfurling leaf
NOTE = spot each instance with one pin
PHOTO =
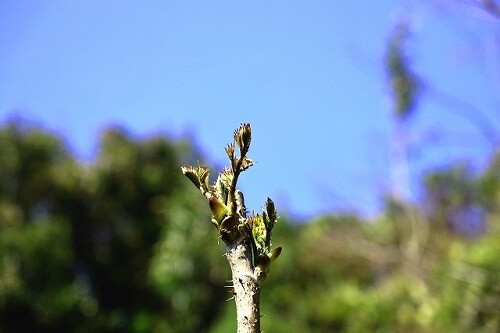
(198, 176)
(191, 173)
(226, 177)
(203, 174)
(223, 184)
(219, 210)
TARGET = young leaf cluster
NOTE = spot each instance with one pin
(227, 204)
(262, 226)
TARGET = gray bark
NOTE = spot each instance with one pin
(246, 287)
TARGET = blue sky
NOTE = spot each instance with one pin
(307, 75)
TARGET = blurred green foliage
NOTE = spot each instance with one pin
(125, 244)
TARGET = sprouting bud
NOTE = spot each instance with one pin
(269, 217)
(256, 222)
(246, 134)
(263, 260)
(228, 229)
(229, 223)
(261, 269)
(271, 211)
(263, 263)
(243, 137)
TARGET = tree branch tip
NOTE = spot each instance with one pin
(247, 239)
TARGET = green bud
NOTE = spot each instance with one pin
(219, 210)
(269, 217)
(256, 222)
(271, 212)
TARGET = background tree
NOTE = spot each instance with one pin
(78, 241)
(113, 245)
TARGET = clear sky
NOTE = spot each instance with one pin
(307, 75)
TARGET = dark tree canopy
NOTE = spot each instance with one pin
(124, 243)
